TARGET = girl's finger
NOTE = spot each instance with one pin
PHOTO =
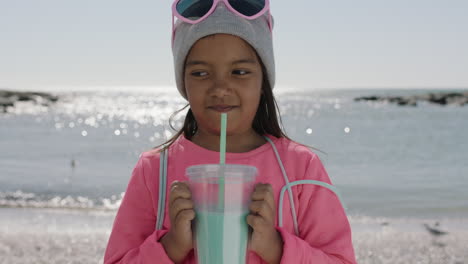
(264, 192)
(260, 208)
(181, 204)
(261, 190)
(263, 209)
(184, 216)
(256, 222)
(180, 185)
(179, 190)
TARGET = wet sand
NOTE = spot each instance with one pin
(58, 236)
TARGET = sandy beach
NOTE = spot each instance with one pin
(73, 236)
(405, 241)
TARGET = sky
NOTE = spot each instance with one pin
(318, 44)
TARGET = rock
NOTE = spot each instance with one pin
(438, 99)
(409, 102)
(24, 97)
(8, 98)
(403, 101)
(5, 102)
(442, 98)
(368, 98)
(447, 98)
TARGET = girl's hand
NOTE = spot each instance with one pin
(265, 240)
(178, 241)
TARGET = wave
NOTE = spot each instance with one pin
(20, 199)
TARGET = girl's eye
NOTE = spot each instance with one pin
(199, 74)
(241, 72)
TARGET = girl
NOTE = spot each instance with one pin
(223, 56)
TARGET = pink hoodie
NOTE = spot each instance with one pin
(324, 231)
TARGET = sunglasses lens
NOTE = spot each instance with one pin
(248, 7)
(193, 9)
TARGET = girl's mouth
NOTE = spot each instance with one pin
(222, 108)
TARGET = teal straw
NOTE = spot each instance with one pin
(222, 162)
(222, 143)
(222, 159)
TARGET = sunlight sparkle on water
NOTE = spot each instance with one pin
(309, 131)
(347, 130)
(58, 126)
(122, 112)
(91, 121)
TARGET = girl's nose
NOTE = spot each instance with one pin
(221, 88)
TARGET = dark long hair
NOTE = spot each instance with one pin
(267, 119)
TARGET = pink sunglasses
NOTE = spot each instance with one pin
(195, 11)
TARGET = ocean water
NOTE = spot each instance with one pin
(387, 160)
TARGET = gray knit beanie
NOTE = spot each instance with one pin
(255, 32)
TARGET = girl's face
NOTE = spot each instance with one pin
(223, 75)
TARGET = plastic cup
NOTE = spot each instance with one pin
(220, 227)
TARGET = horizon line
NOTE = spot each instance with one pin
(168, 88)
